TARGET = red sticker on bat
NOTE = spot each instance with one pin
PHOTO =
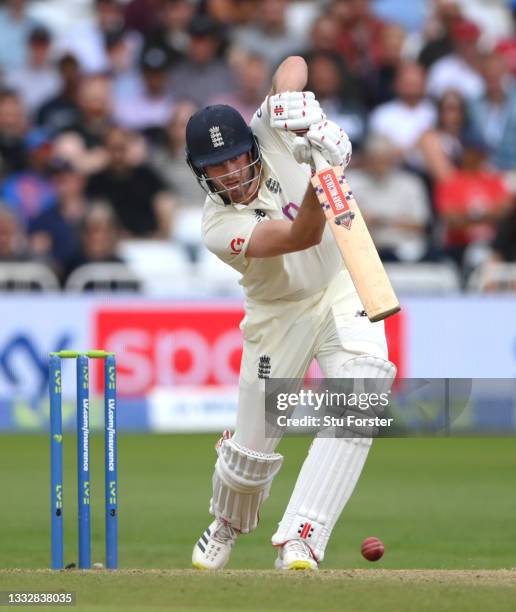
(333, 192)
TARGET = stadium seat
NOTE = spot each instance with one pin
(493, 276)
(27, 276)
(424, 278)
(103, 277)
(163, 267)
(212, 277)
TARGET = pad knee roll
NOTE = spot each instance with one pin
(241, 483)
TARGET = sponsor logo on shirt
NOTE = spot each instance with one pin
(259, 214)
(236, 245)
(290, 210)
(273, 185)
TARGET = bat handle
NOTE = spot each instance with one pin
(319, 161)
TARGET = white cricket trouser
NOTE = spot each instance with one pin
(282, 339)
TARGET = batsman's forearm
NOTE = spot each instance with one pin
(291, 75)
(308, 226)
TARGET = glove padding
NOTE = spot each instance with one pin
(295, 110)
(331, 141)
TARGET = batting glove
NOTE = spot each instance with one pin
(295, 110)
(331, 141)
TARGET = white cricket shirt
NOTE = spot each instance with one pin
(226, 229)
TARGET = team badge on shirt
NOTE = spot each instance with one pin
(264, 366)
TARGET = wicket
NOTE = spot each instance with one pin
(83, 457)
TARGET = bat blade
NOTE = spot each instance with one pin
(354, 241)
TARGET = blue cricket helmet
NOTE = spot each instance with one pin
(215, 134)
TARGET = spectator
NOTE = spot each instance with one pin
(99, 237)
(504, 243)
(441, 147)
(143, 15)
(382, 85)
(337, 93)
(136, 193)
(203, 74)
(12, 238)
(224, 12)
(324, 35)
(404, 119)
(37, 80)
(70, 147)
(471, 201)
(13, 128)
(252, 81)
(87, 40)
(460, 69)
(171, 31)
(435, 40)
(168, 160)
(15, 26)
(360, 36)
(95, 104)
(270, 35)
(29, 192)
(494, 114)
(54, 234)
(62, 111)
(393, 202)
(148, 107)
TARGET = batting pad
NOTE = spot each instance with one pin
(241, 483)
(331, 470)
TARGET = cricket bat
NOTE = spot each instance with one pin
(354, 240)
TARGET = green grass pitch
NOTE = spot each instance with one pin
(438, 505)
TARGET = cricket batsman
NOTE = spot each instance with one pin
(262, 217)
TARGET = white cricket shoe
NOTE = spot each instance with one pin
(295, 555)
(213, 549)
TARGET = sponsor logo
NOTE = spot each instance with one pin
(273, 185)
(260, 215)
(236, 245)
(278, 110)
(361, 313)
(170, 346)
(290, 211)
(305, 530)
(216, 137)
(24, 364)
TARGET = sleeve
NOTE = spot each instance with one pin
(500, 191)
(227, 236)
(153, 180)
(94, 187)
(446, 196)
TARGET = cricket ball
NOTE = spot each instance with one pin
(372, 549)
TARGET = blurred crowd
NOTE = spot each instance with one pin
(93, 110)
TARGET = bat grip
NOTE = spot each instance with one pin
(319, 161)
